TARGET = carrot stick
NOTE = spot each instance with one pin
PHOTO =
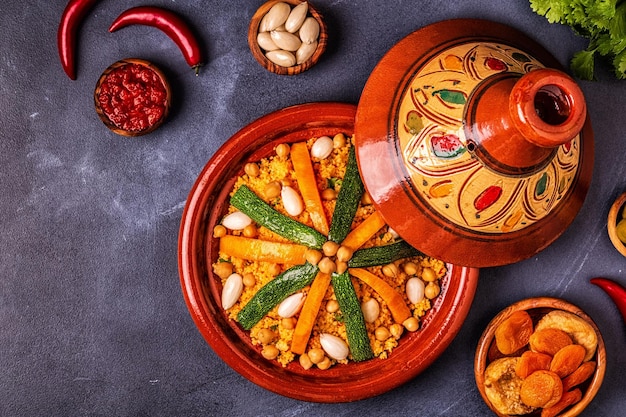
(364, 231)
(308, 314)
(392, 298)
(303, 168)
(262, 250)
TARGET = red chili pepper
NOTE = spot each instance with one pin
(71, 19)
(615, 291)
(168, 22)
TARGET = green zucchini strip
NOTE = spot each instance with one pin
(258, 210)
(358, 340)
(347, 200)
(382, 255)
(275, 291)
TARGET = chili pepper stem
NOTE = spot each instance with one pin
(614, 290)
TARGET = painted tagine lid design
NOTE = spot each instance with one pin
(477, 150)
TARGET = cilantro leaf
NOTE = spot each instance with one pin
(582, 64)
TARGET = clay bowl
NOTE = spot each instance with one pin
(206, 204)
(537, 308)
(616, 213)
(259, 54)
(146, 119)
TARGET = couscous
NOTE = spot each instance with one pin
(314, 322)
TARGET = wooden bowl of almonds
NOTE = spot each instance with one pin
(540, 357)
(287, 37)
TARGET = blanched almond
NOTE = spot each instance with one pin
(264, 39)
(415, 290)
(291, 305)
(322, 147)
(233, 287)
(310, 30)
(275, 17)
(285, 40)
(282, 58)
(334, 346)
(291, 201)
(305, 52)
(296, 17)
(371, 310)
(236, 221)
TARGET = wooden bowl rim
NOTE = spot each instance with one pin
(145, 63)
(340, 383)
(611, 224)
(482, 350)
(257, 53)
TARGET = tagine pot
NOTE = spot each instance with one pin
(474, 143)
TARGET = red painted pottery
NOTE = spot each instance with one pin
(475, 146)
(206, 205)
(538, 307)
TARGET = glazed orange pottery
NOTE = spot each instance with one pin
(473, 143)
(198, 250)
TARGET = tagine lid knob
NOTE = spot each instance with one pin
(473, 143)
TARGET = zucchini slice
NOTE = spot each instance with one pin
(347, 200)
(358, 340)
(258, 210)
(275, 291)
(382, 255)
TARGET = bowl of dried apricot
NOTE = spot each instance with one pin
(540, 357)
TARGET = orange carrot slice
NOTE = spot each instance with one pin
(263, 250)
(399, 310)
(308, 314)
(364, 231)
(303, 168)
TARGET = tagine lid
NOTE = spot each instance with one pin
(474, 143)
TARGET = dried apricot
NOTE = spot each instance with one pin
(541, 389)
(579, 376)
(502, 387)
(549, 341)
(567, 360)
(568, 398)
(530, 362)
(581, 332)
(513, 333)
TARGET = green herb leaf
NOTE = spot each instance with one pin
(582, 64)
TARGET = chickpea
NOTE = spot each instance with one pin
(344, 253)
(329, 194)
(432, 290)
(316, 355)
(305, 362)
(332, 306)
(366, 200)
(410, 268)
(223, 269)
(396, 330)
(252, 169)
(219, 231)
(286, 182)
(428, 275)
(313, 256)
(283, 150)
(341, 267)
(265, 336)
(274, 269)
(382, 333)
(324, 364)
(339, 140)
(250, 231)
(327, 266)
(411, 324)
(270, 352)
(248, 279)
(288, 323)
(330, 248)
(390, 270)
(272, 190)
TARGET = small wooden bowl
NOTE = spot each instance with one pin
(148, 125)
(615, 215)
(258, 53)
(537, 308)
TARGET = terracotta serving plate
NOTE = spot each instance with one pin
(537, 307)
(205, 206)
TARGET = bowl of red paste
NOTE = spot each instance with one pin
(132, 97)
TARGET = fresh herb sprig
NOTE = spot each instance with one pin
(603, 22)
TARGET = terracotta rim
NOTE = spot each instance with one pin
(611, 224)
(258, 54)
(375, 136)
(540, 305)
(168, 101)
(205, 204)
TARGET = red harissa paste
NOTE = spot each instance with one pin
(133, 97)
